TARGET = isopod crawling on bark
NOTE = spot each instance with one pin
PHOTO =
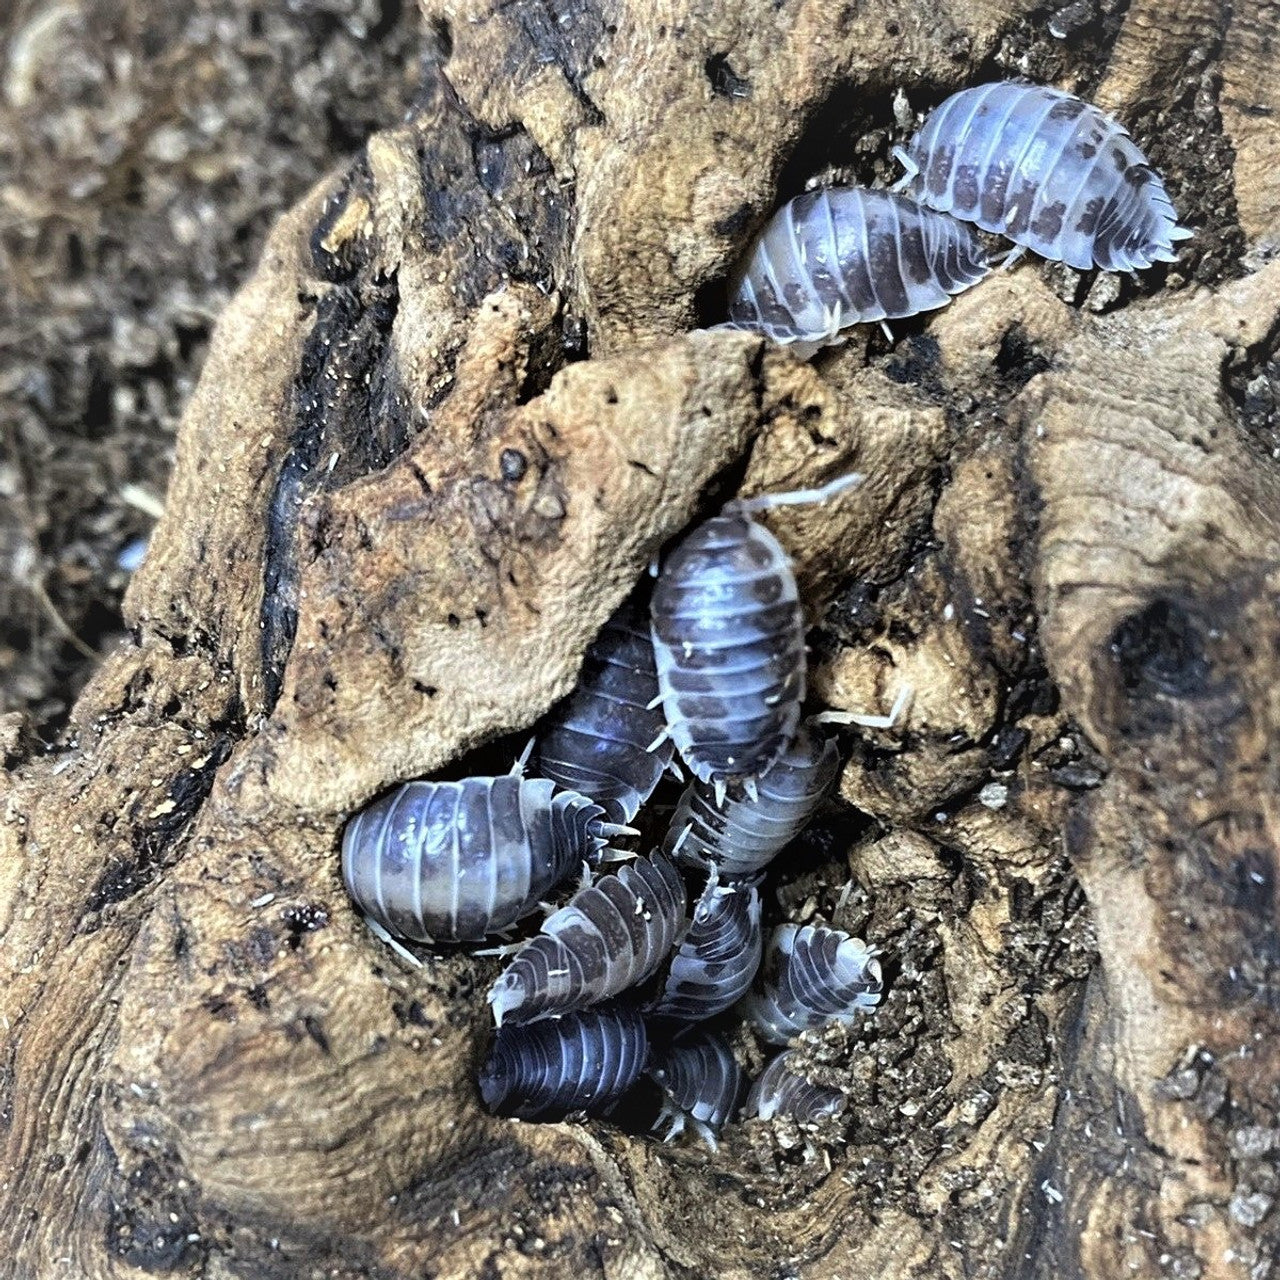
(596, 741)
(702, 1084)
(609, 936)
(459, 861)
(1052, 173)
(811, 977)
(842, 256)
(584, 1061)
(781, 1090)
(718, 956)
(742, 835)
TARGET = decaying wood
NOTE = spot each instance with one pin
(439, 435)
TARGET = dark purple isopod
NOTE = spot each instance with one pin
(812, 976)
(584, 1061)
(1054, 174)
(609, 936)
(717, 958)
(843, 256)
(744, 834)
(458, 861)
(596, 741)
(780, 1090)
(702, 1084)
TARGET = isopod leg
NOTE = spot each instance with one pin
(1012, 257)
(912, 169)
(399, 948)
(869, 721)
(796, 497)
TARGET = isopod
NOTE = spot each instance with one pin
(584, 1061)
(1050, 172)
(717, 958)
(458, 861)
(702, 1084)
(812, 976)
(780, 1090)
(609, 936)
(842, 256)
(744, 834)
(596, 740)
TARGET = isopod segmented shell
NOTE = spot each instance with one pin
(1052, 173)
(717, 958)
(584, 1061)
(728, 635)
(609, 936)
(781, 1090)
(596, 741)
(702, 1082)
(457, 861)
(812, 976)
(846, 255)
(744, 834)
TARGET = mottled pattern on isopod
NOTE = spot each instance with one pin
(728, 635)
(782, 1090)
(609, 936)
(702, 1084)
(744, 834)
(596, 741)
(812, 976)
(717, 958)
(843, 256)
(1050, 172)
(582, 1062)
(458, 861)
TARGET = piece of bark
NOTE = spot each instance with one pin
(405, 501)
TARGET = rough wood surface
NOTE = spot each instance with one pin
(1068, 544)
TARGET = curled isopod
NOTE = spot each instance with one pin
(745, 833)
(1052, 173)
(702, 1084)
(781, 1090)
(845, 255)
(718, 956)
(812, 976)
(458, 861)
(596, 741)
(609, 936)
(584, 1061)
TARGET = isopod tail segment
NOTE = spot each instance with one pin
(728, 635)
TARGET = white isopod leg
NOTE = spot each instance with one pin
(394, 943)
(660, 739)
(517, 769)
(1012, 257)
(753, 791)
(503, 951)
(888, 333)
(869, 721)
(722, 790)
(912, 169)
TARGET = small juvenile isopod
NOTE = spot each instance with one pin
(780, 1090)
(845, 255)
(584, 1061)
(812, 976)
(728, 636)
(1052, 173)
(609, 936)
(458, 861)
(595, 742)
(743, 835)
(718, 956)
(702, 1082)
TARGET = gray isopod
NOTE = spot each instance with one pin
(458, 861)
(609, 936)
(1053, 173)
(597, 740)
(780, 1090)
(845, 255)
(812, 976)
(744, 834)
(702, 1084)
(582, 1062)
(728, 636)
(717, 958)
